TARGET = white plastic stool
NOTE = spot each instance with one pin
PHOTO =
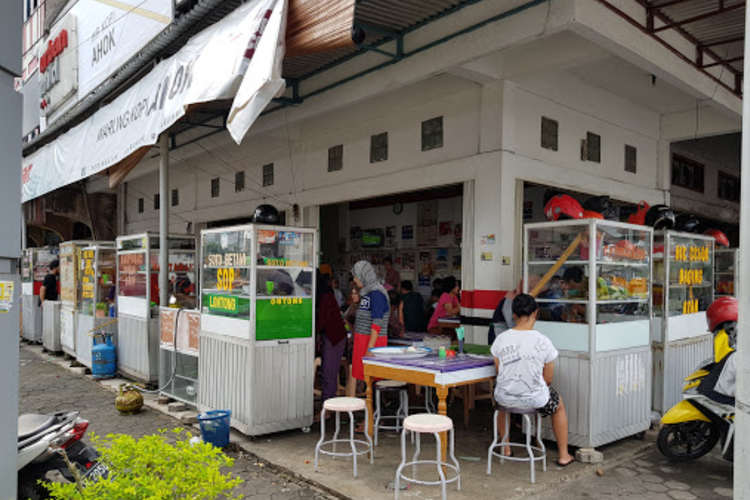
(339, 406)
(428, 423)
(403, 407)
(535, 453)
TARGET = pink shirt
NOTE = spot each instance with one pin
(440, 312)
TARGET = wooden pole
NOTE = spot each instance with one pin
(552, 270)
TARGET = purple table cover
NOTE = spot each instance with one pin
(444, 365)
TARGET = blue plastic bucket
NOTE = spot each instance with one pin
(215, 427)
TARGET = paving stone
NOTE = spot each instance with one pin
(625, 472)
(655, 487)
(681, 495)
(676, 485)
(651, 478)
(643, 463)
(176, 406)
(724, 492)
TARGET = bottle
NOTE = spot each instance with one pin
(441, 352)
(111, 310)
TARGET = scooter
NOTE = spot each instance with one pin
(40, 441)
(694, 425)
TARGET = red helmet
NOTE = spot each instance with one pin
(590, 214)
(721, 238)
(562, 206)
(720, 311)
(639, 217)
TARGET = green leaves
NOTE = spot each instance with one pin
(152, 468)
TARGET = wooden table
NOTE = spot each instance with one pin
(442, 374)
(447, 326)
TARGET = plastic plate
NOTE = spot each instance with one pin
(399, 352)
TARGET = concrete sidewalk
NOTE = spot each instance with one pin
(632, 468)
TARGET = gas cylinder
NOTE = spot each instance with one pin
(103, 356)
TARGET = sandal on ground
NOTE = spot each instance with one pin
(557, 462)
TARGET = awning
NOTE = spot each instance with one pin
(238, 58)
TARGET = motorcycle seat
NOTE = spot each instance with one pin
(31, 424)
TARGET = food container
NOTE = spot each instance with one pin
(435, 342)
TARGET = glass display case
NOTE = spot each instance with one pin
(265, 274)
(70, 254)
(592, 282)
(34, 267)
(96, 277)
(726, 272)
(683, 290)
(257, 323)
(138, 297)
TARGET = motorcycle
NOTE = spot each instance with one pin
(694, 425)
(40, 440)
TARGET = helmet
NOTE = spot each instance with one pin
(602, 205)
(721, 238)
(639, 217)
(687, 223)
(720, 311)
(660, 217)
(589, 214)
(563, 206)
(266, 214)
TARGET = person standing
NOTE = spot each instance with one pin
(371, 325)
(331, 332)
(49, 285)
(411, 309)
(392, 277)
(340, 299)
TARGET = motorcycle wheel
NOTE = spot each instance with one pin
(687, 441)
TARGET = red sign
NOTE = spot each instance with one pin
(54, 49)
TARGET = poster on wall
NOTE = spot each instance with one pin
(426, 269)
(427, 223)
(390, 236)
(458, 233)
(407, 236)
(408, 266)
(457, 266)
(446, 238)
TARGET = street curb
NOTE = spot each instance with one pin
(241, 441)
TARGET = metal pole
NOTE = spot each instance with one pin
(742, 416)
(163, 219)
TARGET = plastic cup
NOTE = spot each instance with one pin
(441, 352)
(269, 287)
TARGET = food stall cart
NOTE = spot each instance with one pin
(138, 298)
(726, 272)
(599, 321)
(683, 290)
(35, 266)
(70, 255)
(178, 353)
(97, 269)
(257, 322)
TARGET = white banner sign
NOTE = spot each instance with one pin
(111, 32)
(210, 67)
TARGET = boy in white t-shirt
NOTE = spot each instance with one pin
(525, 361)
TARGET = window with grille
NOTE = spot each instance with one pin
(432, 134)
(687, 173)
(631, 159)
(156, 202)
(336, 158)
(379, 147)
(549, 133)
(239, 182)
(593, 147)
(140, 205)
(728, 187)
(268, 175)
(215, 188)
(175, 197)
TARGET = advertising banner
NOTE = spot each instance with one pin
(209, 67)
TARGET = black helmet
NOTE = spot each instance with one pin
(660, 217)
(687, 223)
(603, 205)
(266, 214)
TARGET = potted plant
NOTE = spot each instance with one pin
(101, 309)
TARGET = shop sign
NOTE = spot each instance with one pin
(223, 303)
(288, 238)
(58, 67)
(227, 259)
(284, 262)
(112, 33)
(287, 301)
(691, 277)
(209, 67)
(130, 264)
(89, 276)
(225, 279)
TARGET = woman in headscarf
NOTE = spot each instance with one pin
(371, 325)
(332, 336)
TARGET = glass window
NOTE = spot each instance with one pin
(724, 272)
(239, 182)
(336, 158)
(432, 134)
(687, 173)
(549, 133)
(379, 147)
(268, 175)
(593, 147)
(729, 187)
(226, 278)
(132, 275)
(689, 286)
(156, 202)
(631, 157)
(140, 205)
(215, 185)
(26, 266)
(175, 197)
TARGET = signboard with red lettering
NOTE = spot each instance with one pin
(58, 66)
